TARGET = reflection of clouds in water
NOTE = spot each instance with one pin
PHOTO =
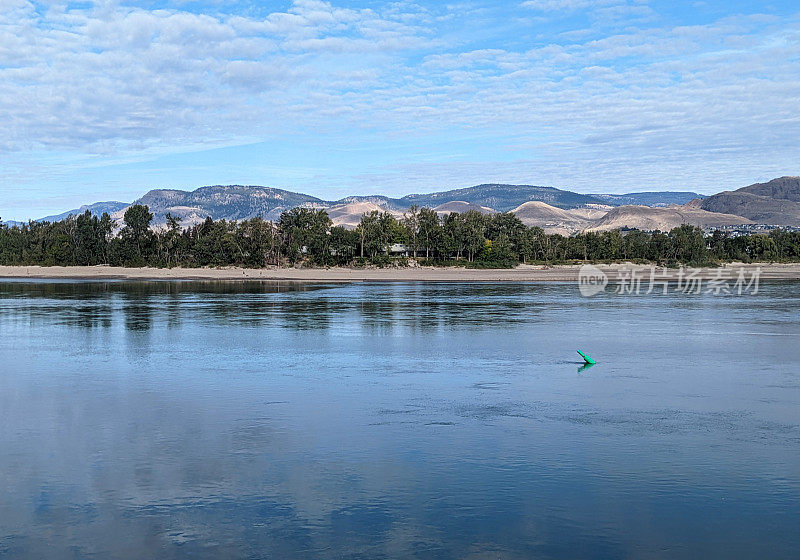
(164, 472)
(432, 420)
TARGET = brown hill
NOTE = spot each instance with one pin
(776, 202)
(695, 204)
(550, 218)
(784, 188)
(349, 215)
(663, 219)
(591, 211)
(460, 206)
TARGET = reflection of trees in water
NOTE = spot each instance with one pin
(91, 316)
(254, 304)
(379, 308)
(171, 307)
(85, 289)
(257, 310)
(420, 307)
(138, 313)
(306, 314)
(68, 303)
(93, 305)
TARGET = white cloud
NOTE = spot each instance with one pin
(600, 11)
(113, 77)
(651, 102)
(559, 5)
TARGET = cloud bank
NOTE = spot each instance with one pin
(606, 95)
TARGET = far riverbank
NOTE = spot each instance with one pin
(522, 273)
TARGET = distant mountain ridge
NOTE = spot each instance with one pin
(775, 202)
(663, 218)
(96, 209)
(552, 219)
(653, 198)
(503, 197)
(228, 202)
(236, 202)
(785, 188)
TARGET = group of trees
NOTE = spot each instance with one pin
(304, 235)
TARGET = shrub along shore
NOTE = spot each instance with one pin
(306, 237)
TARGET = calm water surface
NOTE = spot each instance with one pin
(262, 420)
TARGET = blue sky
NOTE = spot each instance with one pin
(106, 100)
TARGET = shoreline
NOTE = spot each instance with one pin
(523, 273)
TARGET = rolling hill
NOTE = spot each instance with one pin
(663, 219)
(550, 218)
(349, 214)
(460, 207)
(96, 209)
(655, 198)
(776, 202)
(231, 202)
(236, 202)
(502, 198)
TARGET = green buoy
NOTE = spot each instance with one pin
(586, 358)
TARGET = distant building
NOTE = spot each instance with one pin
(748, 229)
(398, 249)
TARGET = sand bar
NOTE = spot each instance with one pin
(523, 273)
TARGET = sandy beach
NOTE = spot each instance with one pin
(523, 273)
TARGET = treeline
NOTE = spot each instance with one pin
(307, 236)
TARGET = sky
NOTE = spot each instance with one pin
(106, 100)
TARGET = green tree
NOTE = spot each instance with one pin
(509, 225)
(376, 231)
(429, 230)
(344, 244)
(688, 244)
(502, 250)
(305, 234)
(168, 241)
(411, 224)
(261, 242)
(136, 236)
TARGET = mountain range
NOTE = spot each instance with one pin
(654, 198)
(234, 202)
(96, 209)
(776, 202)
